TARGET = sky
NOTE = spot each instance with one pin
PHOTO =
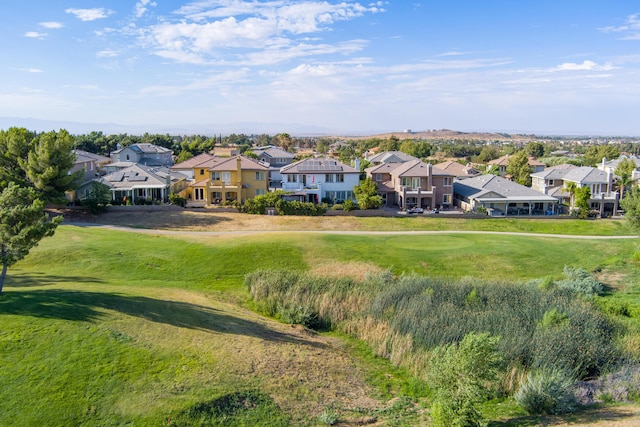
(530, 66)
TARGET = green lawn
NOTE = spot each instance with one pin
(104, 327)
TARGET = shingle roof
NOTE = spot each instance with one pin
(391, 157)
(497, 187)
(456, 169)
(140, 176)
(231, 164)
(274, 152)
(554, 172)
(587, 174)
(319, 165)
(194, 161)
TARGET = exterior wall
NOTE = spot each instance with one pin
(318, 184)
(443, 190)
(254, 182)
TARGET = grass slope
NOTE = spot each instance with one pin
(103, 327)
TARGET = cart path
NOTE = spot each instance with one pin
(346, 232)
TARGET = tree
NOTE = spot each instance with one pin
(367, 194)
(582, 196)
(459, 375)
(631, 206)
(47, 165)
(596, 153)
(39, 161)
(284, 141)
(571, 188)
(97, 197)
(535, 149)
(23, 223)
(625, 170)
(518, 167)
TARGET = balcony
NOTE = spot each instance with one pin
(221, 185)
(298, 186)
(409, 191)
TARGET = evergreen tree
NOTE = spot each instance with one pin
(519, 168)
(23, 222)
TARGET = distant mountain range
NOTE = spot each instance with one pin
(247, 128)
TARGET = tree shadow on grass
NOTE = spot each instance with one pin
(589, 414)
(89, 306)
(43, 279)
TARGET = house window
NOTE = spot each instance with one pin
(201, 171)
(415, 183)
(198, 193)
(447, 181)
(550, 183)
(406, 182)
(226, 177)
(378, 177)
(339, 177)
(291, 178)
(328, 178)
(127, 157)
(259, 192)
(215, 176)
(259, 176)
(446, 199)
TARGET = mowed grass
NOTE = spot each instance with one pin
(104, 327)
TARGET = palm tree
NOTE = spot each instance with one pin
(571, 187)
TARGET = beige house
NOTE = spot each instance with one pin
(234, 179)
(413, 183)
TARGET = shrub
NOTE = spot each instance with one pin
(348, 205)
(547, 391)
(177, 200)
(459, 374)
(329, 416)
(97, 197)
(581, 281)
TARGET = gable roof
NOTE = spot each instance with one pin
(554, 172)
(87, 157)
(318, 165)
(587, 174)
(231, 164)
(194, 161)
(145, 148)
(141, 176)
(391, 157)
(613, 164)
(456, 169)
(495, 187)
(413, 168)
(273, 152)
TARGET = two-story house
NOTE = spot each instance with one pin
(219, 180)
(317, 179)
(604, 198)
(503, 162)
(276, 158)
(144, 154)
(413, 183)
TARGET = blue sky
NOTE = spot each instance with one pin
(543, 66)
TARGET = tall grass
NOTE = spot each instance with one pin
(404, 318)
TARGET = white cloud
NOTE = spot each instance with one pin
(585, 66)
(280, 28)
(90, 14)
(51, 25)
(35, 35)
(107, 53)
(141, 7)
(31, 70)
(630, 30)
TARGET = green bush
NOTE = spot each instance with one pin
(97, 197)
(459, 374)
(177, 200)
(348, 205)
(581, 281)
(547, 391)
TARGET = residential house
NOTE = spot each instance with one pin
(503, 162)
(550, 181)
(459, 171)
(604, 198)
(219, 180)
(91, 165)
(317, 179)
(140, 184)
(189, 167)
(501, 197)
(276, 158)
(389, 157)
(612, 165)
(144, 154)
(413, 183)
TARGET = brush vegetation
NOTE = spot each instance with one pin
(104, 327)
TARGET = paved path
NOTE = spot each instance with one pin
(347, 232)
